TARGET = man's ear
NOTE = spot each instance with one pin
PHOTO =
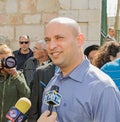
(80, 39)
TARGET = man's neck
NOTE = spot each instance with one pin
(25, 51)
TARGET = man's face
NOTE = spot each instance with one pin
(112, 32)
(39, 52)
(24, 43)
(61, 44)
(92, 55)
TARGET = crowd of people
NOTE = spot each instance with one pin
(88, 80)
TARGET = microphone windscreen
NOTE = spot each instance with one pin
(54, 87)
(23, 105)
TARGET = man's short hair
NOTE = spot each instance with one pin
(25, 36)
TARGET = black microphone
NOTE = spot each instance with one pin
(18, 112)
(52, 98)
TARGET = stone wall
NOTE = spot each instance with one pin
(29, 17)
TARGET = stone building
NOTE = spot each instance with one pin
(29, 17)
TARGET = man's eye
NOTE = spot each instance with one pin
(59, 37)
(47, 40)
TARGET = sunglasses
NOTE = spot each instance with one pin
(24, 42)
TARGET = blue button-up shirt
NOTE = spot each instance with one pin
(88, 95)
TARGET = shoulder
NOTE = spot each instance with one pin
(16, 52)
(114, 65)
(31, 52)
(97, 78)
(30, 62)
(46, 66)
(31, 59)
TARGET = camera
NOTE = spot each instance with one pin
(9, 62)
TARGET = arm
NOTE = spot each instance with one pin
(108, 109)
(18, 78)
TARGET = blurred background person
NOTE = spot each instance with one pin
(106, 53)
(12, 84)
(40, 57)
(24, 52)
(111, 34)
(90, 51)
(113, 70)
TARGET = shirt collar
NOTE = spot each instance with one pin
(78, 72)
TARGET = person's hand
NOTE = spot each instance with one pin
(45, 118)
(11, 71)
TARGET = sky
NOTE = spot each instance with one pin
(111, 7)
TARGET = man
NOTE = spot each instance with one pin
(24, 52)
(88, 95)
(111, 34)
(40, 57)
(45, 118)
(90, 51)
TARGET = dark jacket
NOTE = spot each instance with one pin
(21, 58)
(44, 74)
(29, 68)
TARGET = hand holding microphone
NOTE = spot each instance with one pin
(18, 112)
(52, 98)
(46, 118)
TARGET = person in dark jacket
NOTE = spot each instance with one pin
(41, 78)
(40, 57)
(24, 52)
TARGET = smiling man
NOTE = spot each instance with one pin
(88, 95)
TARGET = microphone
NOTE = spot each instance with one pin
(18, 112)
(52, 98)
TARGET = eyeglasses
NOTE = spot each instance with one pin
(24, 42)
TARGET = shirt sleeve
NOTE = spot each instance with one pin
(21, 85)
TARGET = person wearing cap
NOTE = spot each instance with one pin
(90, 51)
